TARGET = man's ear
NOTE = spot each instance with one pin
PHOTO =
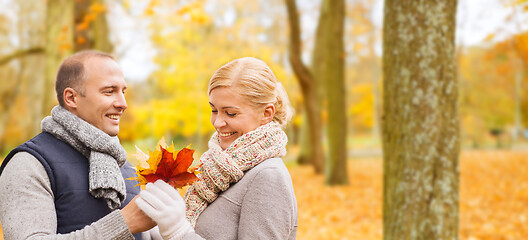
(269, 113)
(70, 97)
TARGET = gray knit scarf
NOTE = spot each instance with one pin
(104, 153)
(221, 168)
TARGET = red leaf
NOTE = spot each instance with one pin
(182, 179)
(174, 170)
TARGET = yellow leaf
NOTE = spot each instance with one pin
(81, 40)
(89, 17)
(97, 8)
(149, 12)
(141, 157)
(489, 37)
(83, 26)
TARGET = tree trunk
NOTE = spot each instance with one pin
(332, 53)
(101, 34)
(7, 103)
(312, 149)
(9, 97)
(59, 42)
(95, 35)
(517, 99)
(420, 121)
(304, 142)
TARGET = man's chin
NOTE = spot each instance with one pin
(112, 132)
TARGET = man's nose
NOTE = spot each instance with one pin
(121, 101)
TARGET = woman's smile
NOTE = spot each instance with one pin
(226, 134)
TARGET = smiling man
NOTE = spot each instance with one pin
(68, 181)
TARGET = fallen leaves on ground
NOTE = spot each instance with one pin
(493, 199)
(494, 195)
(340, 212)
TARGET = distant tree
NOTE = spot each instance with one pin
(323, 83)
(312, 132)
(420, 121)
(59, 43)
(20, 70)
(71, 26)
(329, 69)
(91, 26)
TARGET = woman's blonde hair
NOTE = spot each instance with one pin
(254, 80)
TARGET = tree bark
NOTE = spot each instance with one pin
(312, 150)
(332, 75)
(59, 42)
(420, 121)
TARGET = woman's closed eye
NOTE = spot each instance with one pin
(231, 114)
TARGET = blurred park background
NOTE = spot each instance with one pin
(168, 49)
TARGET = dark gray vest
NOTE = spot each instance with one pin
(67, 170)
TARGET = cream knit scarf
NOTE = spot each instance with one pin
(104, 153)
(222, 167)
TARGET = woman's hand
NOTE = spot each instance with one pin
(161, 202)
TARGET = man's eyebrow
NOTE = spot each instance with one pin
(113, 87)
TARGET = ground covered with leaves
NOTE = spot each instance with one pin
(493, 199)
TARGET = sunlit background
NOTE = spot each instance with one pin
(168, 50)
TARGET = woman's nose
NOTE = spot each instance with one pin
(219, 122)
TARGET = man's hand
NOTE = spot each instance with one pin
(136, 219)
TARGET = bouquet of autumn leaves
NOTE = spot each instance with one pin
(166, 164)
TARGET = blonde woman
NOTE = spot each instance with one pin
(245, 190)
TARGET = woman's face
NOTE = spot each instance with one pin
(232, 116)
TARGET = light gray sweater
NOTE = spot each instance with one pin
(27, 209)
(261, 205)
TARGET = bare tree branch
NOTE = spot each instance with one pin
(20, 53)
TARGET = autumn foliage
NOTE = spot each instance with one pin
(493, 199)
(166, 164)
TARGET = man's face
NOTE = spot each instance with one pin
(104, 101)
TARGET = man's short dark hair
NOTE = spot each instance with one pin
(71, 72)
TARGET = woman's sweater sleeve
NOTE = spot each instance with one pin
(27, 209)
(267, 208)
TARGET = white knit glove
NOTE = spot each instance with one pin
(161, 202)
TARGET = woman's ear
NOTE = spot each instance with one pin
(70, 97)
(269, 113)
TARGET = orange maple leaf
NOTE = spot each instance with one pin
(166, 164)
